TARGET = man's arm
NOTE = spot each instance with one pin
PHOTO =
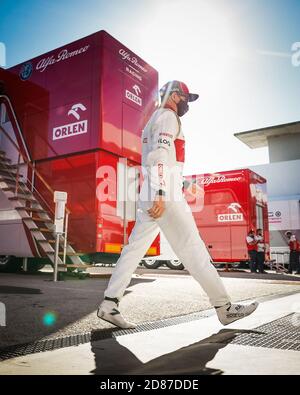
(165, 131)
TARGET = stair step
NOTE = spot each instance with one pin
(23, 197)
(47, 241)
(10, 180)
(10, 189)
(31, 210)
(9, 173)
(4, 178)
(4, 159)
(42, 230)
(68, 253)
(38, 219)
(14, 167)
(5, 166)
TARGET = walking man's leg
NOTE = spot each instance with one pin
(181, 232)
(180, 229)
(141, 238)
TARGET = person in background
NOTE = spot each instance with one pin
(261, 250)
(294, 245)
(298, 261)
(252, 250)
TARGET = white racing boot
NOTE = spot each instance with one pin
(233, 312)
(108, 311)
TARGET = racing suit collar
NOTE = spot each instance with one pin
(167, 106)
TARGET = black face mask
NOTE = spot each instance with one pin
(182, 108)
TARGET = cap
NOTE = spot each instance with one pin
(180, 88)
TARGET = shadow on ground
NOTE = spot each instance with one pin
(112, 358)
(6, 290)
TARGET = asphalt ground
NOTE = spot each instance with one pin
(152, 296)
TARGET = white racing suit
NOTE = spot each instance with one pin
(162, 163)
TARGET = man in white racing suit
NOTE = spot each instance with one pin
(162, 206)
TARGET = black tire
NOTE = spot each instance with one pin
(175, 264)
(10, 264)
(151, 263)
(243, 265)
(4, 262)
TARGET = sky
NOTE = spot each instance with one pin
(237, 54)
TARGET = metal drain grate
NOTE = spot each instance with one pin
(75, 340)
(283, 333)
(41, 346)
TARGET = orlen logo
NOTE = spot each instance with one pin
(72, 129)
(134, 97)
(233, 216)
(235, 207)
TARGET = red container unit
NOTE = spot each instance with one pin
(83, 131)
(228, 205)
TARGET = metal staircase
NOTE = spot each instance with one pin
(31, 206)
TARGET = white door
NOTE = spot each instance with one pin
(127, 194)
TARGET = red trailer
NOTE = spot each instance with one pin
(232, 203)
(225, 206)
(81, 109)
